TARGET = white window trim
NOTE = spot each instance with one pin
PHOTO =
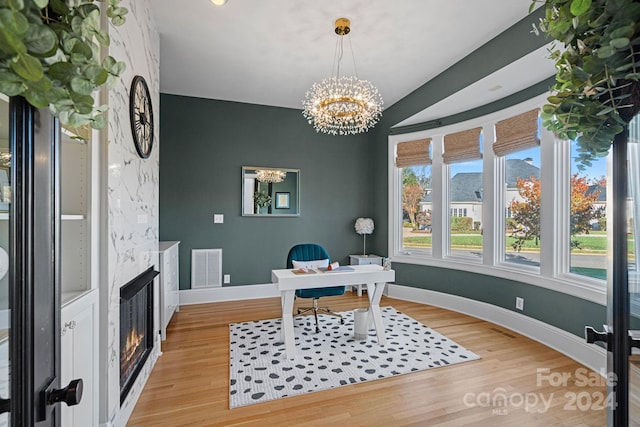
(555, 172)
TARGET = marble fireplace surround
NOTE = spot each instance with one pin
(130, 188)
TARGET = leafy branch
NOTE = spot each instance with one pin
(597, 89)
(50, 55)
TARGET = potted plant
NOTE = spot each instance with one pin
(50, 55)
(597, 89)
(262, 200)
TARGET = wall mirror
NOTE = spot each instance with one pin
(268, 191)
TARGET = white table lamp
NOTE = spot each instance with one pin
(364, 226)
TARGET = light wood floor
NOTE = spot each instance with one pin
(190, 383)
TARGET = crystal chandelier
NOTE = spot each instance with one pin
(270, 175)
(342, 105)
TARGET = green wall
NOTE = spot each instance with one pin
(554, 308)
(204, 145)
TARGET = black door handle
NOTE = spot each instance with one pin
(5, 405)
(593, 336)
(71, 394)
(49, 396)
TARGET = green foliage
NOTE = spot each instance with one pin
(512, 224)
(461, 223)
(597, 89)
(262, 199)
(50, 55)
(602, 223)
(409, 177)
(417, 175)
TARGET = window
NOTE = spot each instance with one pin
(522, 206)
(465, 238)
(480, 202)
(414, 161)
(518, 141)
(464, 159)
(587, 217)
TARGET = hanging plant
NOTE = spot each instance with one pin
(262, 199)
(597, 89)
(50, 55)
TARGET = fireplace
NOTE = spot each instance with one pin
(136, 328)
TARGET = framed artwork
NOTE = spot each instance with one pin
(282, 200)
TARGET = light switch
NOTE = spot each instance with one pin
(218, 218)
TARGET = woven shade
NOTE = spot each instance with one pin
(413, 153)
(517, 133)
(462, 146)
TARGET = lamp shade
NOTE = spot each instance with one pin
(364, 226)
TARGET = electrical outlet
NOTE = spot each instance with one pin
(218, 218)
(520, 303)
(227, 278)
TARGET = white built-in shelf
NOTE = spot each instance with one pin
(70, 217)
(4, 215)
(67, 297)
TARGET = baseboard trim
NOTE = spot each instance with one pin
(227, 293)
(570, 345)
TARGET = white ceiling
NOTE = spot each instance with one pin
(269, 52)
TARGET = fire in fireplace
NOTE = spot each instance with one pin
(136, 328)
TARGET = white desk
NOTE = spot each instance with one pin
(287, 282)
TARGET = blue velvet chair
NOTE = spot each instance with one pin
(313, 252)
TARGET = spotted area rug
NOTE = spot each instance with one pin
(260, 371)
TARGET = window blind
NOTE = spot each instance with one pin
(462, 146)
(413, 153)
(517, 133)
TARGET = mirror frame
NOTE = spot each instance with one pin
(294, 200)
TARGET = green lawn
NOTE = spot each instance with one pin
(593, 243)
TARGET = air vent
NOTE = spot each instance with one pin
(206, 268)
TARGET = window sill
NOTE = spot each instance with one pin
(589, 290)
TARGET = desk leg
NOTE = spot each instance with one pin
(374, 292)
(286, 298)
